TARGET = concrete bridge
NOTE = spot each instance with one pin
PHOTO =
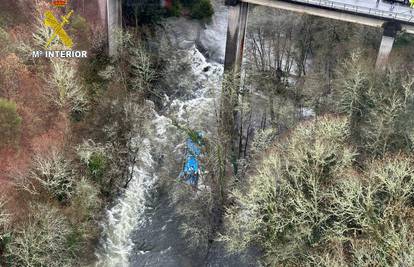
(391, 17)
(114, 22)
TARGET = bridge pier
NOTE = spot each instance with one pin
(388, 37)
(236, 31)
(114, 18)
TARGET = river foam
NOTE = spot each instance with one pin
(121, 228)
(126, 215)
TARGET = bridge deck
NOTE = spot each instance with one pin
(383, 10)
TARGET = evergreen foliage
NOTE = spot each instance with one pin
(10, 122)
(175, 10)
(97, 165)
(202, 9)
(95, 157)
(142, 12)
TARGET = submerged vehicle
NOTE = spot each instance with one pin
(191, 171)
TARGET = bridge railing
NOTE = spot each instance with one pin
(386, 14)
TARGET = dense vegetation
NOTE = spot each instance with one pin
(337, 189)
(311, 204)
(309, 161)
(69, 131)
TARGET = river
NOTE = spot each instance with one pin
(141, 229)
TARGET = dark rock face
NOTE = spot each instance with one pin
(212, 39)
(209, 37)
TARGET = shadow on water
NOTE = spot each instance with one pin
(159, 242)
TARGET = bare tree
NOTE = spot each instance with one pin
(42, 240)
(64, 88)
(54, 173)
(308, 203)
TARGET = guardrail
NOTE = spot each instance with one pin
(405, 16)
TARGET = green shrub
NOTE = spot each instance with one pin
(404, 40)
(202, 9)
(175, 10)
(308, 205)
(97, 165)
(94, 156)
(10, 123)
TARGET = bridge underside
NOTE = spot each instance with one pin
(326, 13)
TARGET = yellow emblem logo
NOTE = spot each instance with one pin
(57, 27)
